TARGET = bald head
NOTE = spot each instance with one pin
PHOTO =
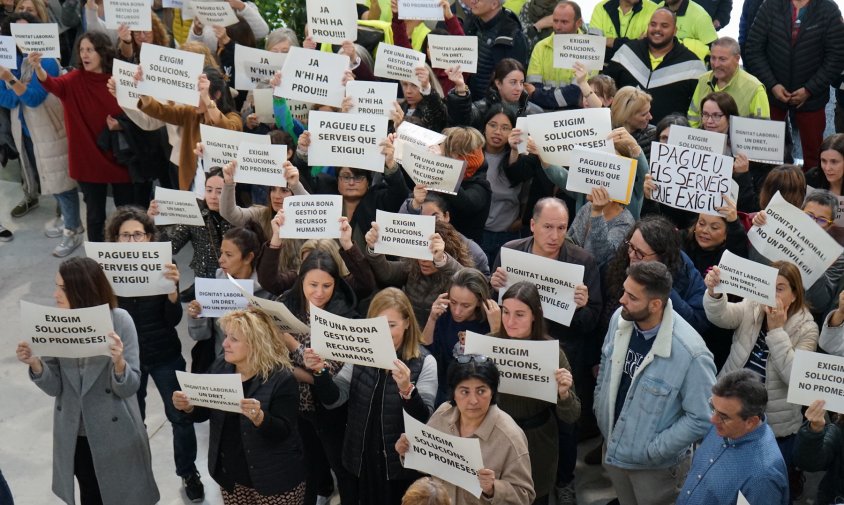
(662, 29)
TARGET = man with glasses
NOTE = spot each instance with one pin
(740, 452)
(653, 386)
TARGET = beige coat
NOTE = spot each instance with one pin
(799, 332)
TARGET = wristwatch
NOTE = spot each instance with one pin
(13, 82)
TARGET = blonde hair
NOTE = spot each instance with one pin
(426, 491)
(200, 48)
(261, 336)
(628, 101)
(394, 298)
(328, 245)
(461, 140)
(40, 9)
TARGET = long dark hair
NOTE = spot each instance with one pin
(102, 45)
(527, 293)
(248, 239)
(225, 102)
(85, 284)
(316, 260)
(501, 70)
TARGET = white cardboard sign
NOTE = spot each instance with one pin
(556, 133)
(554, 279)
(527, 367)
(346, 140)
(405, 235)
(299, 110)
(134, 268)
(759, 139)
(284, 319)
(214, 13)
(690, 179)
(37, 38)
(450, 50)
(791, 235)
(816, 376)
(741, 499)
(221, 391)
(588, 50)
(261, 164)
(255, 66)
(67, 333)
(409, 133)
(702, 140)
(313, 76)
(124, 84)
(435, 172)
(522, 124)
(312, 216)
(8, 54)
(453, 459)
(262, 100)
(218, 296)
(375, 98)
(177, 207)
(135, 14)
(399, 63)
(591, 168)
(220, 146)
(331, 21)
(426, 10)
(365, 342)
(748, 279)
(170, 74)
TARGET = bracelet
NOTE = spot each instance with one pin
(320, 372)
(590, 94)
(409, 393)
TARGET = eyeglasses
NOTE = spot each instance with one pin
(468, 358)
(819, 219)
(716, 116)
(637, 253)
(349, 178)
(723, 417)
(505, 128)
(133, 237)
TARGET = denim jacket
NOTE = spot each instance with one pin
(667, 405)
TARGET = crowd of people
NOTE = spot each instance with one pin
(687, 386)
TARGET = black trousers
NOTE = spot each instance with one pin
(83, 469)
(95, 194)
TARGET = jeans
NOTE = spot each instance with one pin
(95, 194)
(69, 205)
(184, 436)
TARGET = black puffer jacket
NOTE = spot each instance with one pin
(814, 61)
(430, 111)
(470, 206)
(500, 37)
(462, 111)
(155, 320)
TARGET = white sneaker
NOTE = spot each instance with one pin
(70, 241)
(54, 227)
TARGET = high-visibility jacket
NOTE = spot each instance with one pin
(748, 92)
(609, 21)
(694, 28)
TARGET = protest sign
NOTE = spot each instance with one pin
(283, 318)
(312, 216)
(375, 98)
(759, 139)
(747, 279)
(590, 168)
(218, 296)
(8, 54)
(313, 76)
(261, 164)
(37, 38)
(255, 66)
(299, 110)
(365, 342)
(170, 74)
(451, 50)
(603, 145)
(213, 13)
(790, 235)
(839, 212)
(702, 140)
(262, 99)
(453, 459)
(331, 21)
(816, 376)
(67, 333)
(554, 279)
(220, 146)
(435, 172)
(398, 63)
(134, 268)
(742, 500)
(588, 50)
(177, 207)
(124, 84)
(346, 140)
(522, 124)
(135, 14)
(426, 10)
(690, 179)
(405, 235)
(409, 133)
(527, 367)
(221, 391)
(556, 133)
(177, 4)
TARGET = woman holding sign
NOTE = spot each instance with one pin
(376, 399)
(254, 455)
(764, 340)
(98, 434)
(522, 318)
(472, 412)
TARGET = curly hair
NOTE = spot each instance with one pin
(129, 213)
(266, 348)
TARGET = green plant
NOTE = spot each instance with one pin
(289, 13)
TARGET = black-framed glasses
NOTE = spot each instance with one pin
(819, 219)
(468, 358)
(637, 253)
(349, 178)
(132, 237)
(717, 116)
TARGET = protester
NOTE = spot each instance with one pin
(830, 173)
(621, 21)
(426, 491)
(695, 29)
(631, 109)
(818, 448)
(601, 225)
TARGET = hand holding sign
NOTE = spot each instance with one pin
(26, 356)
(116, 348)
(816, 415)
(777, 316)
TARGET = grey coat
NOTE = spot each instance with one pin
(108, 408)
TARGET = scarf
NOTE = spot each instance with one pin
(474, 160)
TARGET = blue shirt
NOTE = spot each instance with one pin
(34, 95)
(722, 467)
